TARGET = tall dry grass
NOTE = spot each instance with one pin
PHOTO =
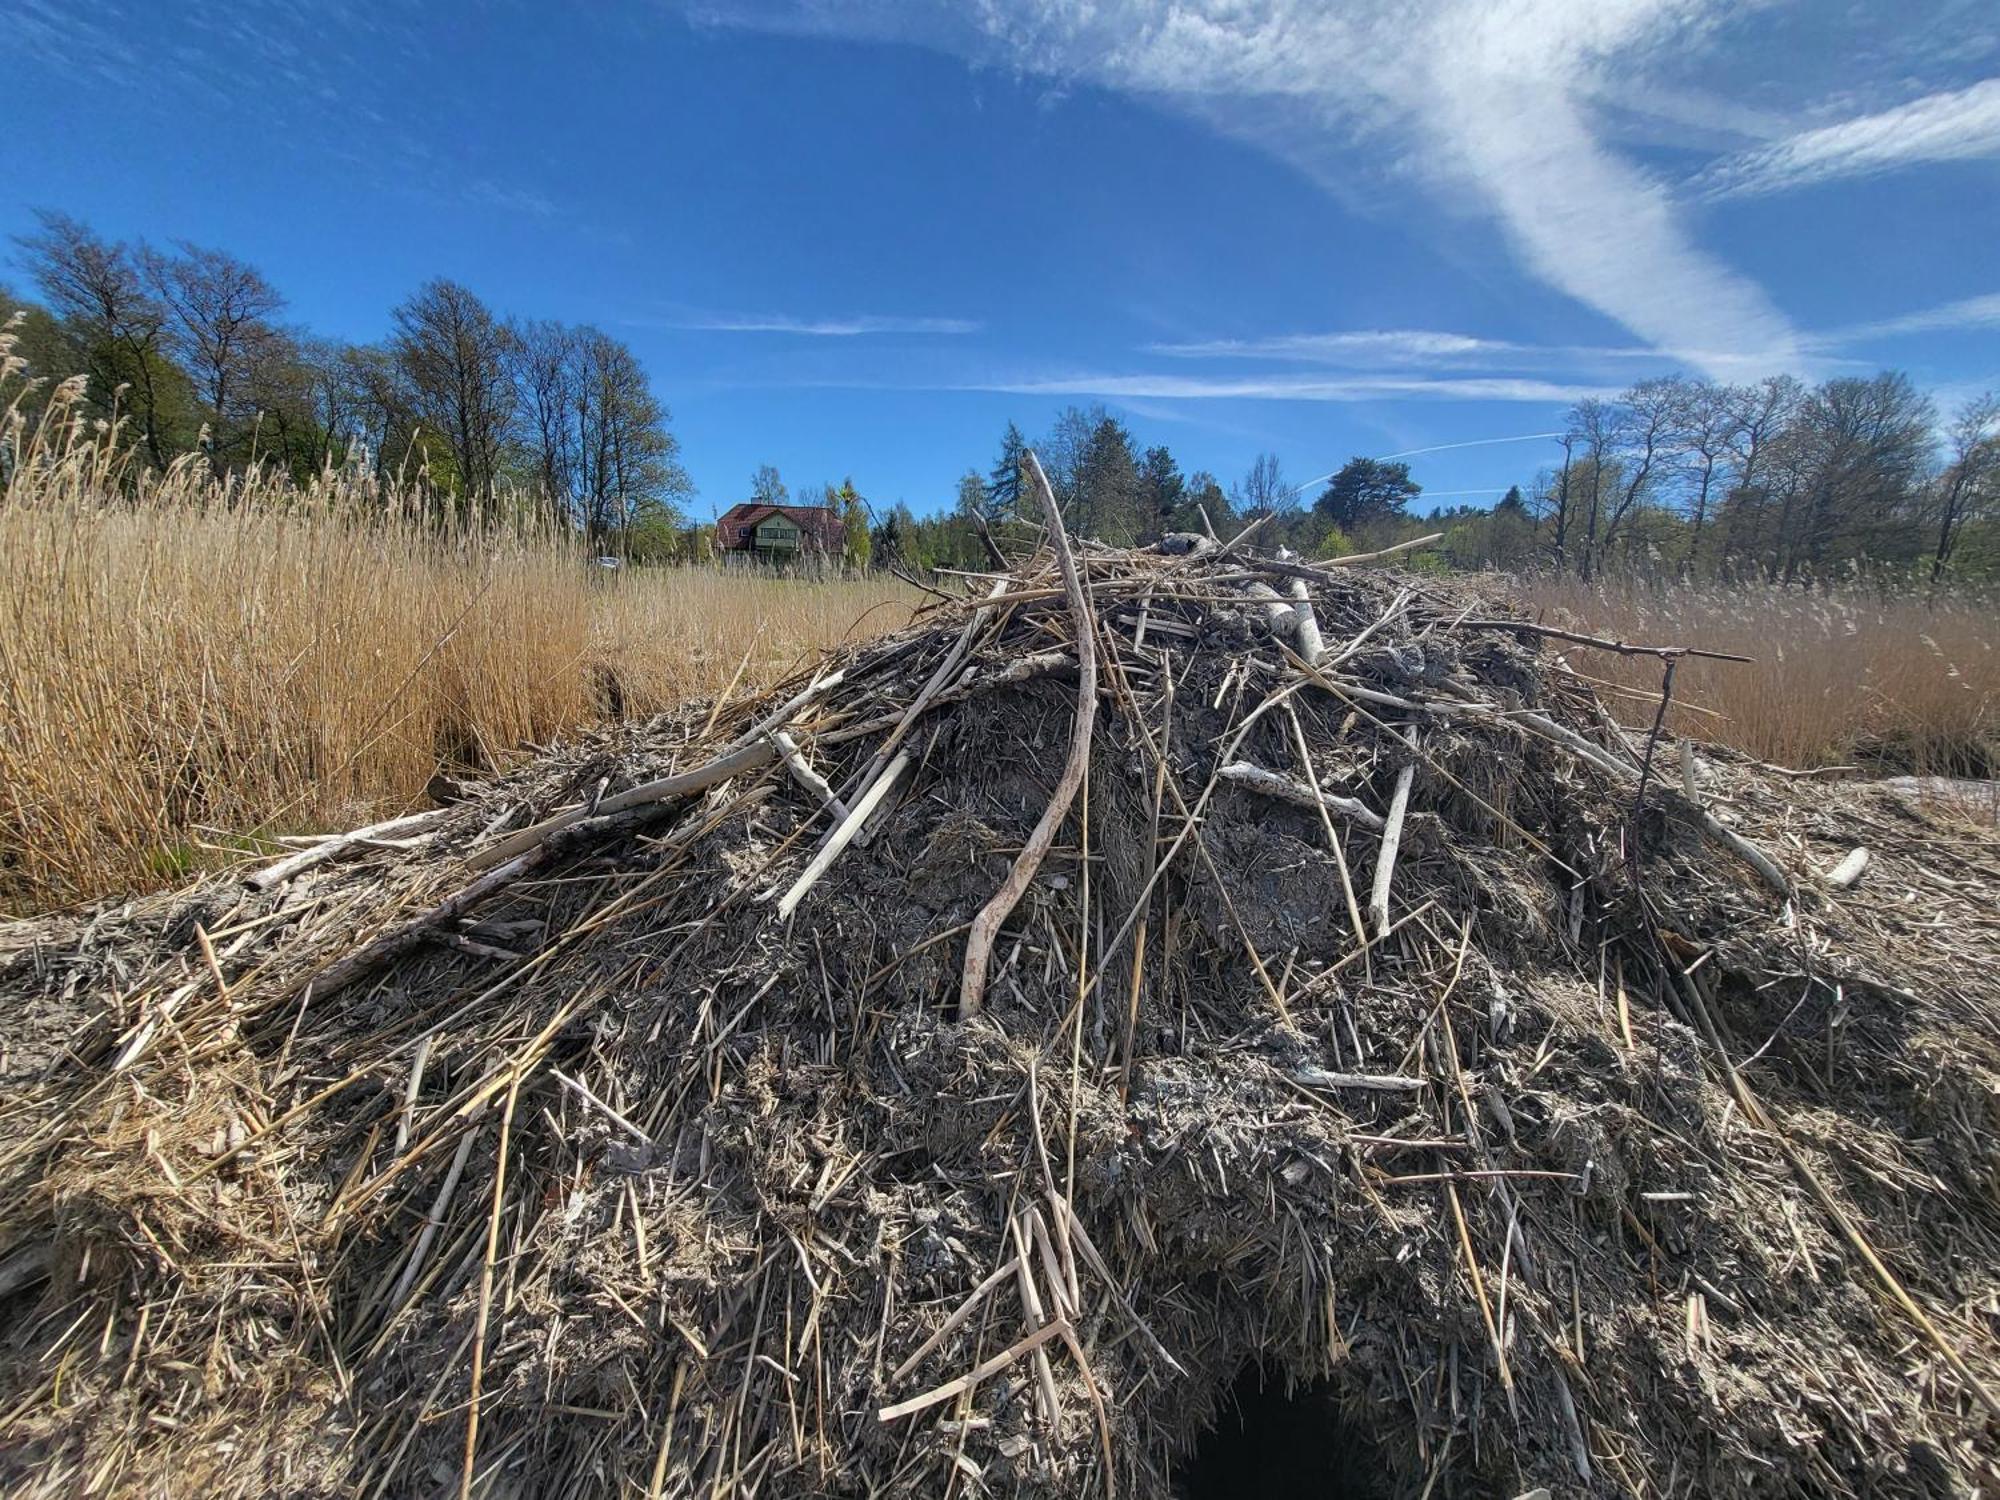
(185, 663)
(1841, 675)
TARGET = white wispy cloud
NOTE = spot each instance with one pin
(1494, 104)
(1960, 125)
(1969, 313)
(1285, 387)
(1387, 345)
(1419, 347)
(509, 198)
(849, 327)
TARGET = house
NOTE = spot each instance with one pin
(779, 533)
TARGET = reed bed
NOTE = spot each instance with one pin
(191, 666)
(1843, 674)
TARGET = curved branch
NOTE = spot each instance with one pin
(986, 926)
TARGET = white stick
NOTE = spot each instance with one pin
(783, 714)
(722, 768)
(1306, 626)
(1844, 874)
(1380, 1083)
(609, 1113)
(973, 1376)
(806, 776)
(842, 836)
(963, 1311)
(1271, 784)
(1353, 559)
(337, 844)
(1392, 839)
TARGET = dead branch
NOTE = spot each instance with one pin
(986, 926)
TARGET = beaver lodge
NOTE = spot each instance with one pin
(1170, 1023)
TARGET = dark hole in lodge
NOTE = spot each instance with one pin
(1268, 1445)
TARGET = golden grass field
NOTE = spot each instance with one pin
(181, 675)
(1840, 675)
(175, 677)
(190, 669)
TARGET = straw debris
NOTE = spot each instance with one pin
(676, 1117)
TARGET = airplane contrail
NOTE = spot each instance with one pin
(1526, 437)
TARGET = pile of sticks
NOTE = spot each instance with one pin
(952, 1068)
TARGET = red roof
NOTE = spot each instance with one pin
(821, 527)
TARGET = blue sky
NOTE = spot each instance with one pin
(856, 237)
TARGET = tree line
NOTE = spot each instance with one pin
(188, 348)
(1677, 476)
(1775, 479)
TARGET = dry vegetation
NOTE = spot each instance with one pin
(694, 1140)
(1841, 676)
(180, 670)
(190, 667)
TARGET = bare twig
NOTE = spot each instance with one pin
(1392, 840)
(339, 844)
(986, 926)
(1528, 627)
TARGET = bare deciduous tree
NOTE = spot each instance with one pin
(1970, 483)
(95, 286)
(545, 371)
(221, 326)
(1705, 423)
(453, 356)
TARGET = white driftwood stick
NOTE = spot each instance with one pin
(1031, 1303)
(1539, 724)
(338, 844)
(806, 776)
(842, 836)
(1380, 1083)
(1305, 624)
(1364, 557)
(609, 1113)
(1844, 874)
(986, 926)
(748, 758)
(410, 1092)
(1285, 789)
(435, 1219)
(1690, 774)
(973, 1376)
(1392, 839)
(1280, 614)
(946, 670)
(782, 715)
(970, 685)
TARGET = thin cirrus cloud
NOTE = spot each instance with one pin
(1959, 125)
(839, 328)
(1402, 347)
(1969, 313)
(1280, 387)
(1494, 108)
(1388, 345)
